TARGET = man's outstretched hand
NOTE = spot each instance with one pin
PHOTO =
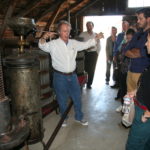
(47, 35)
(99, 36)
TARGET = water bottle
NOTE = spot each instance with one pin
(126, 104)
(116, 66)
(109, 61)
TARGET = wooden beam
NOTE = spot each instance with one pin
(53, 18)
(9, 12)
(3, 6)
(52, 8)
(29, 7)
(64, 13)
(87, 6)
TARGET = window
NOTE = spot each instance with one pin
(138, 3)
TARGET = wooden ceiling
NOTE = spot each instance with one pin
(42, 10)
(48, 12)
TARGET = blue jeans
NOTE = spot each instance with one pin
(139, 135)
(66, 86)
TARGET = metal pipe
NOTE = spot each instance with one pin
(68, 12)
(22, 43)
(41, 31)
(44, 31)
(48, 144)
(2, 91)
(76, 25)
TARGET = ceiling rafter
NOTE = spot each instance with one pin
(44, 11)
(8, 14)
(29, 7)
(53, 18)
(87, 6)
(52, 8)
(71, 8)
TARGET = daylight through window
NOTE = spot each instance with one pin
(138, 3)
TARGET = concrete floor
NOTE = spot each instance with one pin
(103, 132)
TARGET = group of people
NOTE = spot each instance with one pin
(130, 52)
(131, 47)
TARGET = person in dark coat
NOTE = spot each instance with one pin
(139, 135)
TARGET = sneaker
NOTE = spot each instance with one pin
(64, 123)
(82, 122)
(119, 108)
(89, 87)
(114, 86)
(117, 98)
(107, 82)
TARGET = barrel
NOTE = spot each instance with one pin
(45, 71)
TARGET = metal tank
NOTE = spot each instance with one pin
(13, 131)
(22, 69)
(24, 84)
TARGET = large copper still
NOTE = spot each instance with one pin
(24, 83)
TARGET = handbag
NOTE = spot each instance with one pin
(127, 118)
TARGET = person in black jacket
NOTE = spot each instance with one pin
(139, 135)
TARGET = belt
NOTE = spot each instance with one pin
(64, 73)
(137, 103)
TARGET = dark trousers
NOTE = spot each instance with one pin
(122, 86)
(116, 73)
(90, 65)
(108, 67)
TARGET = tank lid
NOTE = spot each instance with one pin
(21, 25)
(18, 60)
